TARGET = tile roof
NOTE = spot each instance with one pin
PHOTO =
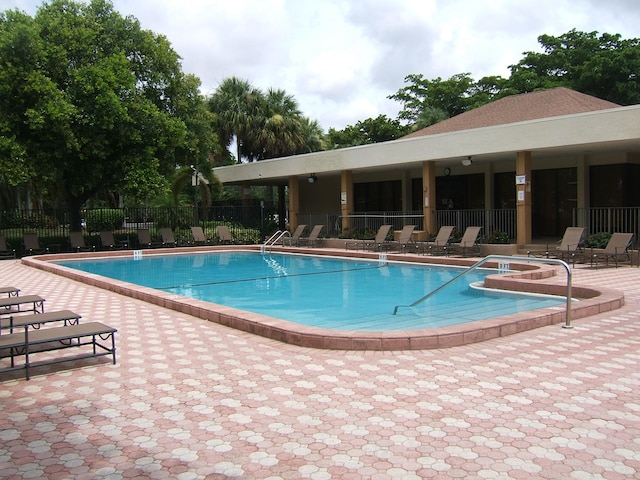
(518, 108)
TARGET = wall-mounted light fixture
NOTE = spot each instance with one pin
(467, 161)
(312, 178)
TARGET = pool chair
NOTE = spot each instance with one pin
(77, 243)
(440, 244)
(617, 250)
(168, 239)
(294, 239)
(32, 244)
(313, 240)
(109, 243)
(468, 243)
(567, 249)
(199, 238)
(5, 251)
(405, 240)
(224, 235)
(378, 243)
(144, 239)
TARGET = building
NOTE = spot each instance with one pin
(529, 164)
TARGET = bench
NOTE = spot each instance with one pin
(36, 319)
(13, 304)
(10, 291)
(58, 338)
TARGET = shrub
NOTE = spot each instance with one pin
(104, 219)
(498, 236)
(598, 240)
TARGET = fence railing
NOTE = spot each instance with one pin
(608, 219)
(491, 221)
(247, 224)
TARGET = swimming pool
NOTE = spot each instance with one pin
(323, 292)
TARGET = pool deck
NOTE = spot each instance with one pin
(193, 399)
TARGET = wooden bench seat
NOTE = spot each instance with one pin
(35, 319)
(57, 338)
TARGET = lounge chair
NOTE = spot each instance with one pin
(617, 248)
(110, 243)
(224, 235)
(77, 243)
(468, 242)
(168, 239)
(567, 249)
(144, 239)
(380, 241)
(294, 239)
(5, 251)
(32, 244)
(405, 241)
(440, 243)
(313, 240)
(199, 238)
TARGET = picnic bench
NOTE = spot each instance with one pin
(15, 304)
(31, 341)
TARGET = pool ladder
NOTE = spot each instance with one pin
(502, 266)
(273, 239)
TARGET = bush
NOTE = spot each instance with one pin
(104, 219)
(498, 236)
(598, 240)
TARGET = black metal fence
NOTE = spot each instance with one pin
(247, 224)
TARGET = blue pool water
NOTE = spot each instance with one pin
(325, 292)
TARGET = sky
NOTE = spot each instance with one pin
(340, 59)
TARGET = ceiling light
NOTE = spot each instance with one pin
(467, 161)
(312, 178)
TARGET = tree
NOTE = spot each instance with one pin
(604, 66)
(263, 125)
(371, 130)
(90, 101)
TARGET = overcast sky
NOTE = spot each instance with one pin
(340, 59)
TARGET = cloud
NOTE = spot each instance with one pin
(340, 59)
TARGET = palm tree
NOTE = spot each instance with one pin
(282, 131)
(236, 104)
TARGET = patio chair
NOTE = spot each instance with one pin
(294, 239)
(5, 251)
(468, 243)
(313, 240)
(378, 243)
(440, 243)
(77, 243)
(567, 249)
(617, 248)
(32, 244)
(110, 243)
(224, 235)
(144, 239)
(168, 239)
(405, 240)
(199, 238)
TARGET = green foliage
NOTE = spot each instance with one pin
(604, 66)
(598, 240)
(104, 219)
(264, 125)
(498, 236)
(22, 219)
(90, 102)
(371, 130)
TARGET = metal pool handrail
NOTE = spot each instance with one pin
(503, 257)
